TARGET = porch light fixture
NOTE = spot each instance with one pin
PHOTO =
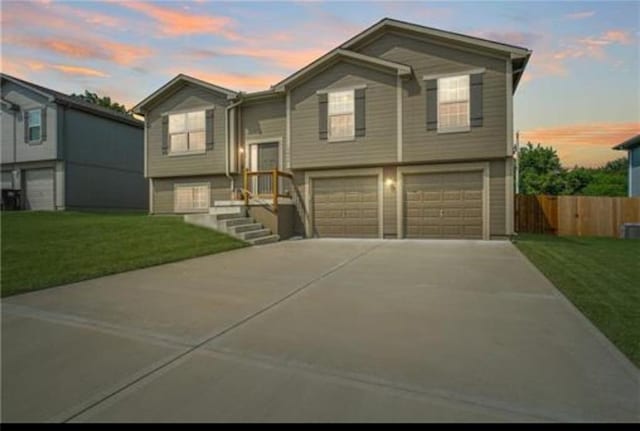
(389, 182)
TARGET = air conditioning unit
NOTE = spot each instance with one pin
(630, 231)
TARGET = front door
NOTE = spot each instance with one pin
(265, 158)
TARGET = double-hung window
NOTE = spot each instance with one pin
(191, 197)
(453, 104)
(34, 125)
(187, 132)
(341, 115)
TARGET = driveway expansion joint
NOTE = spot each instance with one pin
(163, 365)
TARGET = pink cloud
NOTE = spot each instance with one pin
(287, 58)
(78, 70)
(233, 81)
(581, 15)
(583, 144)
(89, 48)
(173, 22)
(554, 62)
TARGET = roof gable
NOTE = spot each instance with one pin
(74, 102)
(177, 82)
(519, 56)
(338, 53)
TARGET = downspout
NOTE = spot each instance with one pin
(228, 143)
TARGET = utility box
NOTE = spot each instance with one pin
(630, 231)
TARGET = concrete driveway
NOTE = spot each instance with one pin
(315, 330)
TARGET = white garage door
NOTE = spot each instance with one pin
(443, 205)
(39, 189)
(346, 207)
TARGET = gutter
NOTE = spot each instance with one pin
(228, 143)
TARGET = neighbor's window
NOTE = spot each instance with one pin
(187, 132)
(341, 115)
(191, 197)
(453, 103)
(34, 124)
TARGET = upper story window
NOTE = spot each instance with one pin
(341, 115)
(453, 103)
(34, 124)
(187, 132)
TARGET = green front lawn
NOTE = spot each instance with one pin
(601, 276)
(43, 249)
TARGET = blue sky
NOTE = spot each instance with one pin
(580, 93)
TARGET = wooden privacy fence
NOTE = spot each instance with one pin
(574, 215)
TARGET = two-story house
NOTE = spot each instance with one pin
(59, 152)
(403, 131)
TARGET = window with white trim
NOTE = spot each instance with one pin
(34, 124)
(192, 197)
(187, 132)
(341, 115)
(453, 103)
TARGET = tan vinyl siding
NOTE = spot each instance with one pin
(428, 59)
(163, 196)
(299, 199)
(189, 97)
(390, 213)
(261, 120)
(379, 144)
(497, 197)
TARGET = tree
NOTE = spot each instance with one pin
(104, 101)
(609, 180)
(540, 171)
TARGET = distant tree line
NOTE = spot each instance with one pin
(540, 172)
(104, 101)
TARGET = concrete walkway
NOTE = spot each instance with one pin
(315, 330)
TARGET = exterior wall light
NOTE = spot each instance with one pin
(390, 182)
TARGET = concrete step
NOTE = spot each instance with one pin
(228, 210)
(236, 230)
(227, 216)
(204, 220)
(264, 240)
(236, 221)
(254, 234)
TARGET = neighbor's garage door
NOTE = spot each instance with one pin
(39, 189)
(443, 205)
(346, 207)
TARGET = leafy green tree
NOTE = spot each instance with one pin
(104, 101)
(576, 180)
(609, 180)
(540, 171)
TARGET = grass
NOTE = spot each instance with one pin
(44, 249)
(601, 276)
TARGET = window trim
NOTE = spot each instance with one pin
(351, 137)
(27, 112)
(188, 152)
(176, 186)
(458, 129)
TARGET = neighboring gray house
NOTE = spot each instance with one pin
(632, 146)
(403, 131)
(64, 153)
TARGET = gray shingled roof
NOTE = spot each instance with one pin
(65, 99)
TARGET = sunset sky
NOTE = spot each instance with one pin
(580, 92)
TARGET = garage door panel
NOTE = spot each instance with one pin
(443, 205)
(346, 207)
(39, 189)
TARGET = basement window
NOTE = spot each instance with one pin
(191, 197)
